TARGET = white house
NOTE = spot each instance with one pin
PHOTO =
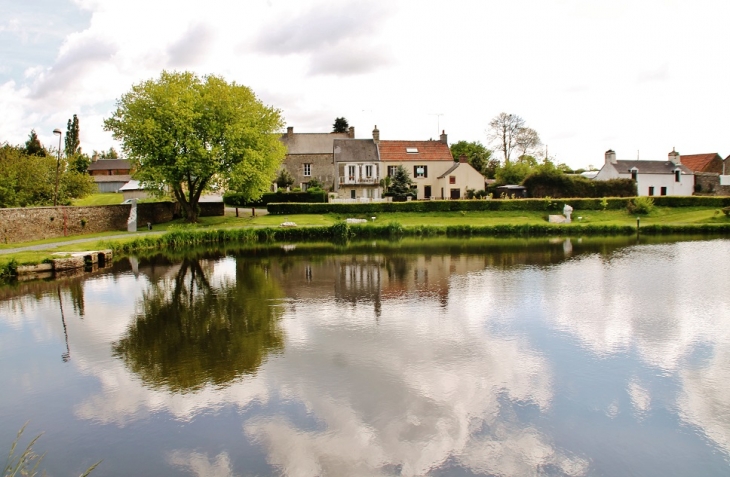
(669, 177)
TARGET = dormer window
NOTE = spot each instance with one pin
(634, 173)
(412, 150)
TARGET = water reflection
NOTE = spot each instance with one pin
(189, 333)
(484, 359)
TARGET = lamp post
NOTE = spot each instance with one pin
(58, 165)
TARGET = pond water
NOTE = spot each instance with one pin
(440, 358)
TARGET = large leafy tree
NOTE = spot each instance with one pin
(340, 126)
(72, 142)
(477, 155)
(192, 134)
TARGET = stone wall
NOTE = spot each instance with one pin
(38, 223)
(323, 168)
(708, 183)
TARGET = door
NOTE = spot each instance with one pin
(456, 193)
(427, 192)
(352, 193)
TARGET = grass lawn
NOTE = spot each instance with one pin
(661, 215)
(99, 199)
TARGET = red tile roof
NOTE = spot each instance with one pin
(701, 162)
(395, 151)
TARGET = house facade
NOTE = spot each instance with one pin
(357, 168)
(710, 162)
(653, 178)
(110, 174)
(311, 156)
(432, 167)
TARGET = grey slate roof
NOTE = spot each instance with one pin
(650, 167)
(109, 164)
(356, 150)
(311, 143)
(114, 178)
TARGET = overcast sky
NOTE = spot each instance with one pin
(636, 76)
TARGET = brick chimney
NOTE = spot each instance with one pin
(675, 158)
(376, 134)
(463, 159)
(290, 132)
(443, 137)
(351, 132)
(610, 156)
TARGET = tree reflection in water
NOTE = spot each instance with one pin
(190, 333)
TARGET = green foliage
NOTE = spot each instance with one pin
(314, 184)
(233, 199)
(400, 183)
(284, 179)
(25, 180)
(193, 134)
(641, 205)
(476, 154)
(79, 163)
(547, 181)
(513, 173)
(72, 142)
(75, 185)
(110, 154)
(33, 146)
(340, 125)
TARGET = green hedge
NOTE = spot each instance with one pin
(558, 185)
(547, 204)
(233, 199)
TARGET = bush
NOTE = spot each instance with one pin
(233, 199)
(641, 205)
(554, 183)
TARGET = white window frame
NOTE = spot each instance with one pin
(368, 171)
(307, 170)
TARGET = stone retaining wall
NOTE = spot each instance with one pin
(708, 183)
(38, 223)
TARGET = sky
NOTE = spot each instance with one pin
(640, 77)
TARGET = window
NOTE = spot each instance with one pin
(420, 171)
(412, 150)
(634, 174)
(307, 170)
(391, 170)
(368, 171)
(677, 175)
(651, 191)
(664, 191)
(452, 179)
(351, 172)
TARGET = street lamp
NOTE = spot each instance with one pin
(58, 165)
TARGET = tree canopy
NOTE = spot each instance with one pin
(509, 133)
(478, 156)
(193, 134)
(340, 126)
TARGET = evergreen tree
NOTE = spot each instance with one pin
(401, 183)
(33, 146)
(73, 145)
(340, 126)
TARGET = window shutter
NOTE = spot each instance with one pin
(415, 171)
(425, 171)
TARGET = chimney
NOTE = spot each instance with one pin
(95, 158)
(610, 157)
(463, 159)
(376, 134)
(351, 132)
(675, 158)
(290, 132)
(443, 137)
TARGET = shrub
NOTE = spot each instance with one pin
(641, 205)
(233, 199)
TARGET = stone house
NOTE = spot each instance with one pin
(711, 162)
(357, 168)
(110, 174)
(311, 155)
(669, 177)
(431, 166)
